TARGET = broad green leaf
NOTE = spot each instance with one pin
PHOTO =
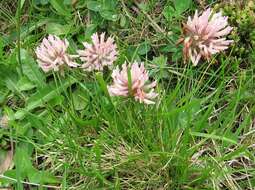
(109, 15)
(25, 31)
(123, 21)
(41, 177)
(161, 71)
(106, 8)
(160, 61)
(10, 174)
(25, 169)
(82, 122)
(79, 102)
(102, 84)
(131, 53)
(12, 84)
(25, 84)
(21, 6)
(94, 6)
(60, 7)
(182, 5)
(57, 100)
(144, 48)
(22, 162)
(109, 5)
(144, 6)
(68, 2)
(169, 12)
(22, 3)
(58, 29)
(31, 69)
(90, 29)
(47, 177)
(187, 115)
(42, 97)
(3, 94)
(103, 87)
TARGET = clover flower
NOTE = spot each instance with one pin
(52, 54)
(140, 89)
(205, 35)
(102, 52)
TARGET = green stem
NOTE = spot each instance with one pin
(18, 15)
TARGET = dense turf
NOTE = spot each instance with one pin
(67, 132)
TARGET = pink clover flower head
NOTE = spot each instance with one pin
(141, 89)
(101, 52)
(52, 54)
(205, 35)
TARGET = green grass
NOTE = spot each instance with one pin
(67, 133)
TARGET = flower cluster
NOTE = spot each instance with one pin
(204, 35)
(52, 54)
(98, 54)
(141, 91)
